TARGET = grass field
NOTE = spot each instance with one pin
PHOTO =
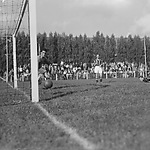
(78, 115)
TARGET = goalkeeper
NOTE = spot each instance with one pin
(43, 66)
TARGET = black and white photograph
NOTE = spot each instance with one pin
(74, 74)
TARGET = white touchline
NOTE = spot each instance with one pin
(87, 145)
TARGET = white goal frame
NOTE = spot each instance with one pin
(33, 48)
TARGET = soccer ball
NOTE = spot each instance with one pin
(48, 84)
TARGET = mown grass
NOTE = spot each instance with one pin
(114, 115)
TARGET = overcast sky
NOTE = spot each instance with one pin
(118, 17)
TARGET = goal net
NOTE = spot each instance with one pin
(18, 51)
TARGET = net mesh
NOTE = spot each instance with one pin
(14, 19)
(10, 12)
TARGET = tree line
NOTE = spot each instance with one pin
(78, 49)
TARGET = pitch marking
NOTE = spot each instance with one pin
(6, 82)
(87, 145)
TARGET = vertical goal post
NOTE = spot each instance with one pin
(14, 61)
(7, 61)
(145, 57)
(33, 46)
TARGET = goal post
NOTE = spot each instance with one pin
(145, 58)
(33, 50)
(7, 61)
(14, 61)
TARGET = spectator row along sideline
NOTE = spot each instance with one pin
(67, 71)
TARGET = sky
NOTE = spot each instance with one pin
(118, 17)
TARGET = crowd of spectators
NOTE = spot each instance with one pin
(66, 71)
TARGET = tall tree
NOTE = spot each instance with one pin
(122, 49)
(131, 53)
(139, 50)
(55, 49)
(112, 48)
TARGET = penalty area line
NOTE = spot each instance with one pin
(87, 145)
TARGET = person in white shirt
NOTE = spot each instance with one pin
(98, 68)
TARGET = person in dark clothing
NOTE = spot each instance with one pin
(43, 64)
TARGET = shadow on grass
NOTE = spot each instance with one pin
(59, 94)
(111, 81)
(90, 84)
(50, 94)
(65, 86)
